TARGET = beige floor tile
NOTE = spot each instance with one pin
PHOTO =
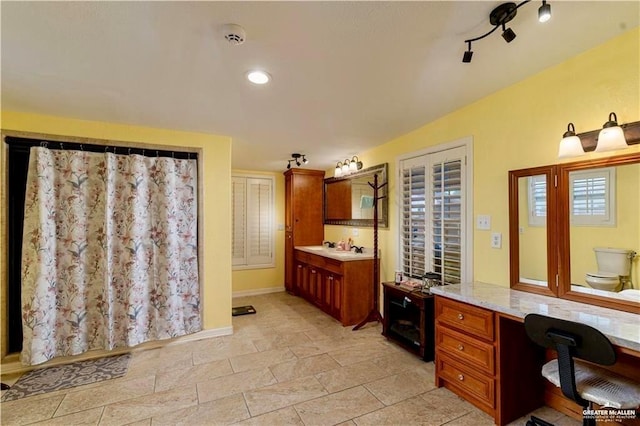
(566, 421)
(28, 410)
(338, 407)
(403, 361)
(476, 418)
(151, 405)
(362, 352)
(281, 341)
(261, 359)
(347, 423)
(414, 411)
(234, 383)
(303, 367)
(109, 393)
(222, 411)
(145, 364)
(281, 395)
(220, 349)
(144, 422)
(399, 387)
(198, 373)
(352, 375)
(87, 417)
(284, 417)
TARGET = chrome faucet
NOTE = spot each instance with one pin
(329, 244)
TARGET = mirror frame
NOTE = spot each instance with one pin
(383, 213)
(564, 247)
(558, 232)
(550, 173)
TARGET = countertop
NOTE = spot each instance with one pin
(344, 256)
(622, 328)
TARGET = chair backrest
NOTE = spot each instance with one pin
(585, 342)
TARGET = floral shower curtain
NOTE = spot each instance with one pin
(109, 256)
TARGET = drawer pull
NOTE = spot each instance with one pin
(460, 348)
(330, 278)
(460, 377)
(299, 266)
(460, 316)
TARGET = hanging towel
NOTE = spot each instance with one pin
(366, 202)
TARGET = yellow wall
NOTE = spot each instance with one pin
(216, 203)
(251, 280)
(517, 127)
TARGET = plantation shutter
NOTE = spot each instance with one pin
(537, 200)
(259, 221)
(446, 216)
(413, 226)
(592, 195)
(238, 194)
(433, 215)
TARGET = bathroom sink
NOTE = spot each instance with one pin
(316, 248)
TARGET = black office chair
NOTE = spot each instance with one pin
(583, 383)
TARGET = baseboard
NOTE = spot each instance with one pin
(257, 292)
(11, 363)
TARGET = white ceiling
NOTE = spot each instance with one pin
(346, 75)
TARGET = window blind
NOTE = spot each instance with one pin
(593, 197)
(433, 215)
(252, 222)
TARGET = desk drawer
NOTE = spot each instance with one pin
(466, 349)
(471, 383)
(333, 265)
(464, 317)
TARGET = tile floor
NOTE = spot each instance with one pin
(289, 364)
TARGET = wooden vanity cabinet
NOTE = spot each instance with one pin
(303, 216)
(343, 290)
(487, 359)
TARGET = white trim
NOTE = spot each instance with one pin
(257, 292)
(11, 363)
(467, 143)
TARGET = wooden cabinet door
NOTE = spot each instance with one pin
(291, 281)
(336, 297)
(315, 278)
(298, 279)
(327, 292)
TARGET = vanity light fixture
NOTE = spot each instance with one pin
(345, 167)
(611, 136)
(297, 159)
(570, 145)
(355, 164)
(499, 17)
(338, 170)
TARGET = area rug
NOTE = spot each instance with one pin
(59, 377)
(243, 310)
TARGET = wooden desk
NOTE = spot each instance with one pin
(498, 367)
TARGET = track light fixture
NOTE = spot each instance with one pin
(297, 159)
(499, 18)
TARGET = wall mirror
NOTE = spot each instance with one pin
(532, 200)
(599, 232)
(578, 225)
(348, 200)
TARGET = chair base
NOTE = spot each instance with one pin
(535, 421)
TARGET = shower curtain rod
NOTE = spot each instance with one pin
(27, 143)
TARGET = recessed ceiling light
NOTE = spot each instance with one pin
(258, 77)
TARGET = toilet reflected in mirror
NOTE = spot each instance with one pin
(614, 267)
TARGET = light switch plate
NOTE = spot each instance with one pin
(483, 222)
(496, 240)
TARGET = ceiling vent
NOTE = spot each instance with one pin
(234, 34)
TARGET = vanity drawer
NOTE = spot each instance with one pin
(333, 265)
(470, 383)
(466, 349)
(464, 317)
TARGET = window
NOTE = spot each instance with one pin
(537, 200)
(591, 195)
(253, 205)
(433, 216)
